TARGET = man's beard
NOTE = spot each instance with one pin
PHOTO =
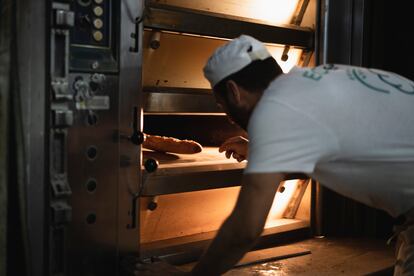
(239, 116)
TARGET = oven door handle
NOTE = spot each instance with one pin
(137, 137)
(135, 36)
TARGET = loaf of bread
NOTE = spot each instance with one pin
(169, 144)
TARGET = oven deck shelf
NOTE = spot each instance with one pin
(167, 100)
(189, 248)
(184, 20)
(179, 173)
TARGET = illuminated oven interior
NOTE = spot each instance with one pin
(189, 196)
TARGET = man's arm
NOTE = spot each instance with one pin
(242, 228)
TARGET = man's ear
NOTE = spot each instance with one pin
(234, 91)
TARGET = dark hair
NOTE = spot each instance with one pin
(255, 77)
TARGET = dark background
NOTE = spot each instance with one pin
(385, 43)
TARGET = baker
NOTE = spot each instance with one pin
(350, 128)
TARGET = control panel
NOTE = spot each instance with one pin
(94, 102)
(91, 145)
(93, 46)
(92, 23)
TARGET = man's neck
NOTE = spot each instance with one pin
(254, 98)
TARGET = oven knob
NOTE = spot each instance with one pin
(152, 206)
(96, 81)
(98, 23)
(151, 165)
(137, 137)
(153, 203)
(97, 35)
(82, 91)
(98, 11)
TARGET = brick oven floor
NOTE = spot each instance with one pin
(328, 257)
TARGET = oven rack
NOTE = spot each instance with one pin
(177, 173)
(190, 21)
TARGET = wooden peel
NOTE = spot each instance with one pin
(170, 144)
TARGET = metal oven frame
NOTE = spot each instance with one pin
(77, 232)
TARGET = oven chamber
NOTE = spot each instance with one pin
(186, 197)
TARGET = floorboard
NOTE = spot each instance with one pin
(328, 256)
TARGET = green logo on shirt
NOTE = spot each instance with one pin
(370, 77)
(373, 79)
(317, 73)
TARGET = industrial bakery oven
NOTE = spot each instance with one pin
(92, 76)
(135, 68)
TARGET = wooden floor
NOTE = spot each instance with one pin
(329, 257)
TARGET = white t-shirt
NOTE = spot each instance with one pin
(350, 128)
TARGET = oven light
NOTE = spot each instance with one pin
(281, 202)
(274, 11)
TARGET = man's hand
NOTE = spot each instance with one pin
(236, 146)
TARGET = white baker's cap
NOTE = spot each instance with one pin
(233, 57)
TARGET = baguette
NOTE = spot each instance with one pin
(170, 144)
